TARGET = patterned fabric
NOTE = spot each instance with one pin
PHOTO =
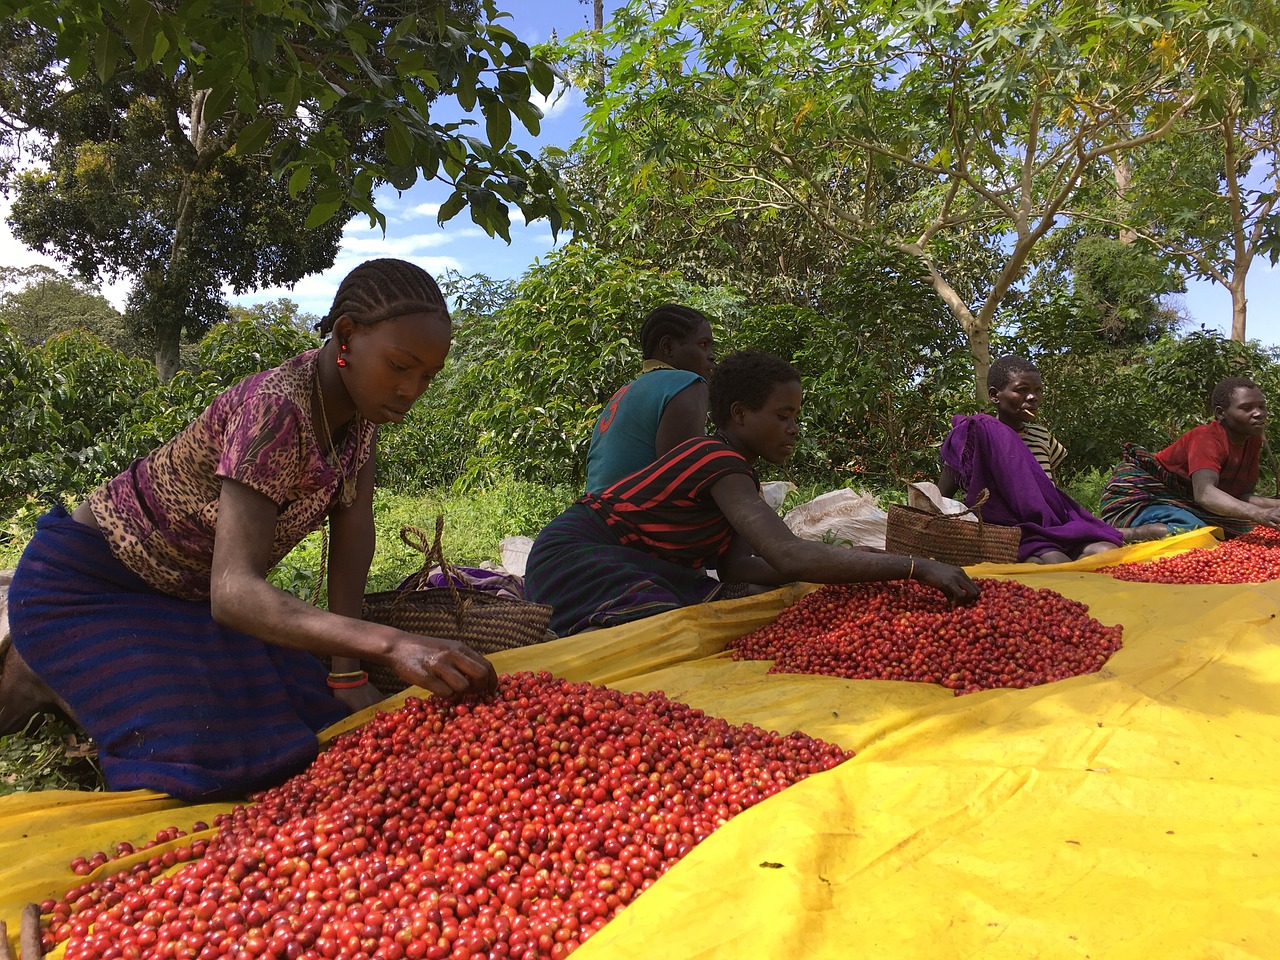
(987, 454)
(159, 515)
(666, 508)
(624, 437)
(1044, 446)
(176, 702)
(577, 566)
(1207, 447)
(1140, 483)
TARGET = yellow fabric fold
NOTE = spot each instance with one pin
(1125, 814)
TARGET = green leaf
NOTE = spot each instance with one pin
(398, 142)
(540, 75)
(497, 123)
(254, 136)
(451, 207)
(106, 54)
(299, 179)
(328, 201)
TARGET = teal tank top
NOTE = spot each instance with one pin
(624, 436)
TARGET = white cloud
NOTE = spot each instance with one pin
(562, 99)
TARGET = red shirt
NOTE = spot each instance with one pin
(1207, 448)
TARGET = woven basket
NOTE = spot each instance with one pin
(484, 622)
(914, 532)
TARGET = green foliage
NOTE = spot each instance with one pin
(79, 412)
(64, 402)
(41, 303)
(541, 368)
(1094, 402)
(220, 144)
(49, 754)
(367, 77)
(865, 121)
(883, 370)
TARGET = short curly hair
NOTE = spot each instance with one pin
(378, 290)
(746, 377)
(1223, 390)
(1003, 369)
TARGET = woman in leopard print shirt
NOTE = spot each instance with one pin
(147, 614)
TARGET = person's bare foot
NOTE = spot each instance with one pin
(1144, 531)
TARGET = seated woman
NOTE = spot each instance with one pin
(1013, 458)
(1204, 478)
(642, 546)
(663, 406)
(146, 613)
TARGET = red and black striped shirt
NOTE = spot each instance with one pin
(666, 508)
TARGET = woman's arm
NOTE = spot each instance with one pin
(1207, 493)
(684, 417)
(948, 482)
(243, 599)
(351, 546)
(809, 560)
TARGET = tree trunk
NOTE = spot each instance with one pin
(1238, 305)
(980, 349)
(1124, 176)
(168, 340)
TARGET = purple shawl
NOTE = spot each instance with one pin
(985, 453)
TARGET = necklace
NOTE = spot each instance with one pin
(347, 488)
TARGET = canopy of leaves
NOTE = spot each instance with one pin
(339, 94)
(940, 130)
(38, 302)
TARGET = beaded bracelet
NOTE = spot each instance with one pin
(357, 679)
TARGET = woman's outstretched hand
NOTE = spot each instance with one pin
(952, 581)
(445, 667)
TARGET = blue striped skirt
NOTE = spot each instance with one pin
(590, 580)
(175, 701)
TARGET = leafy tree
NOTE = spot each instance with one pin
(38, 303)
(197, 146)
(538, 371)
(1208, 199)
(281, 312)
(935, 130)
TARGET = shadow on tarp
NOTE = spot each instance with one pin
(1124, 814)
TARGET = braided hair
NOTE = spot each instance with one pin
(669, 320)
(746, 377)
(1004, 369)
(1220, 399)
(378, 290)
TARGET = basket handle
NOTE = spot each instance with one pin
(433, 556)
(983, 496)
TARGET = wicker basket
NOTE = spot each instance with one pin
(484, 622)
(945, 537)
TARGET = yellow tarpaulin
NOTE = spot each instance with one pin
(1126, 814)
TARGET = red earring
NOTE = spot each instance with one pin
(342, 361)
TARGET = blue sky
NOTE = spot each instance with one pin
(412, 232)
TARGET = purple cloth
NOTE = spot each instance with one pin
(471, 578)
(985, 453)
